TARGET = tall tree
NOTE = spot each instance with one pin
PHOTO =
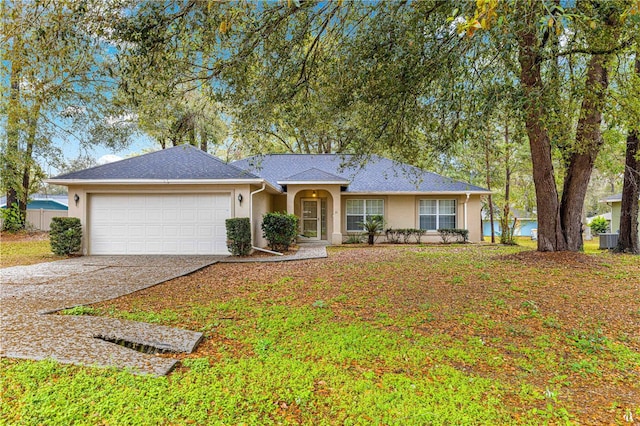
(57, 66)
(395, 78)
(628, 237)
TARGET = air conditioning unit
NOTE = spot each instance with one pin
(608, 241)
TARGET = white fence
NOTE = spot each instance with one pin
(40, 220)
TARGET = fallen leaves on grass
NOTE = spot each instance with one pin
(561, 327)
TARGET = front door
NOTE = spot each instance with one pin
(311, 218)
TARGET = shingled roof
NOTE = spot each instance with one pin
(314, 175)
(183, 162)
(378, 174)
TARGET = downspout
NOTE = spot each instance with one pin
(264, 185)
(466, 217)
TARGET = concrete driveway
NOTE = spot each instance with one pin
(28, 294)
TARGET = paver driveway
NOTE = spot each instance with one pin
(28, 294)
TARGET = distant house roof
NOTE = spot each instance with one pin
(517, 213)
(183, 162)
(43, 201)
(613, 198)
(378, 174)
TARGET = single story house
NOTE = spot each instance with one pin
(615, 201)
(41, 208)
(175, 201)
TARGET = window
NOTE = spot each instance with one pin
(437, 214)
(358, 211)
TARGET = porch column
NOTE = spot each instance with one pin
(291, 197)
(336, 236)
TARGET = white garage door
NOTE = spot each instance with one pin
(158, 223)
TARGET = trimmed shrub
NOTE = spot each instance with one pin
(239, 236)
(599, 225)
(454, 235)
(280, 230)
(65, 235)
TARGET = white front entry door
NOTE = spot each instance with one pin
(158, 223)
(311, 218)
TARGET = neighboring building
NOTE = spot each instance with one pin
(41, 208)
(526, 222)
(615, 201)
(175, 201)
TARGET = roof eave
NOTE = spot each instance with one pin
(313, 182)
(470, 192)
(72, 182)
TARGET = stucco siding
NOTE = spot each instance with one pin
(262, 203)
(616, 210)
(402, 211)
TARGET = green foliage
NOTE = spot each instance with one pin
(12, 219)
(354, 238)
(372, 227)
(454, 235)
(239, 236)
(394, 235)
(79, 310)
(280, 230)
(66, 235)
(599, 225)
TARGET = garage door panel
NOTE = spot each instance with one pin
(158, 223)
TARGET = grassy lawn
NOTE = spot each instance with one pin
(25, 249)
(404, 335)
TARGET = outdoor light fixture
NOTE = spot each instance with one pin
(76, 198)
(240, 198)
(314, 193)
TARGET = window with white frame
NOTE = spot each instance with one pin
(437, 214)
(358, 211)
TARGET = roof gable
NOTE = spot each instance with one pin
(314, 175)
(377, 174)
(177, 163)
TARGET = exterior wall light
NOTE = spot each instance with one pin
(76, 198)
(240, 198)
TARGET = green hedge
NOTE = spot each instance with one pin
(395, 235)
(65, 235)
(453, 235)
(280, 230)
(239, 236)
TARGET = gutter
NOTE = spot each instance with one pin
(466, 216)
(264, 185)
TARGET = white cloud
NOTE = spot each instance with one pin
(109, 158)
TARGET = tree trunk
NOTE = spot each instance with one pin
(628, 237)
(507, 232)
(550, 235)
(11, 173)
(490, 199)
(588, 143)
(28, 159)
(204, 140)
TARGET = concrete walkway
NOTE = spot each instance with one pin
(28, 293)
(306, 250)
